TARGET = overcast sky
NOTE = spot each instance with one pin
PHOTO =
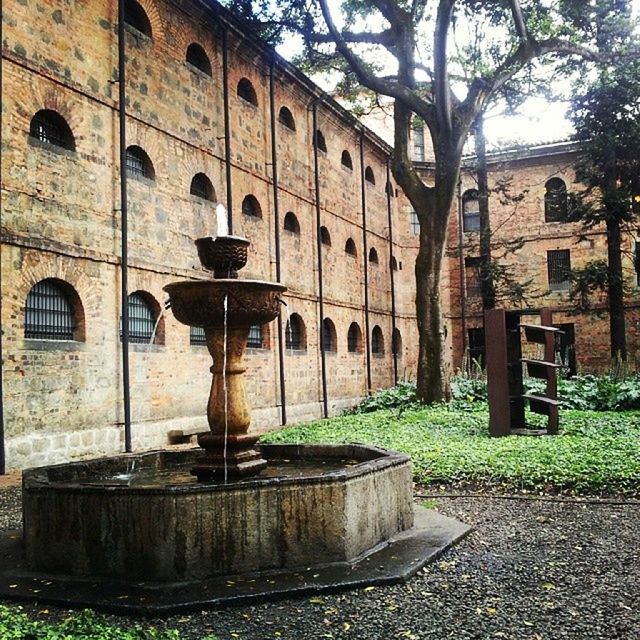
(539, 121)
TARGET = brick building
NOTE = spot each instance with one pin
(212, 115)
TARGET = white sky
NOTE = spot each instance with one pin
(538, 122)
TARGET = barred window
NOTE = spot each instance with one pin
(354, 338)
(389, 190)
(473, 277)
(476, 346)
(329, 338)
(286, 118)
(377, 341)
(555, 200)
(295, 333)
(325, 236)
(197, 57)
(558, 269)
(373, 256)
(49, 312)
(471, 210)
(49, 126)
(202, 187)
(254, 341)
(418, 143)
(247, 92)
(251, 207)
(135, 16)
(394, 263)
(346, 160)
(414, 221)
(197, 336)
(139, 164)
(142, 320)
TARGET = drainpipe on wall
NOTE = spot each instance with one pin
(124, 298)
(2, 453)
(276, 218)
(323, 362)
(365, 252)
(463, 293)
(227, 126)
(393, 288)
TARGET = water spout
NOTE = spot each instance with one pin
(222, 221)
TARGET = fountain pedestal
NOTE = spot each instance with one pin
(229, 449)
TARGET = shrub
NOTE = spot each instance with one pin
(402, 396)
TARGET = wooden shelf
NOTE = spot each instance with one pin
(541, 404)
(539, 368)
(538, 332)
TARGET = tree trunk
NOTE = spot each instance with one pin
(614, 260)
(616, 291)
(487, 286)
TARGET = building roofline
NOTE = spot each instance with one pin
(212, 10)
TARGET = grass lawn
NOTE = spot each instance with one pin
(595, 452)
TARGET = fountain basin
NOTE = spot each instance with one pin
(95, 519)
(201, 303)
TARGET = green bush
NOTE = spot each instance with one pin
(402, 396)
(84, 625)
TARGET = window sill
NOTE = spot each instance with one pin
(198, 72)
(149, 182)
(54, 148)
(140, 347)
(39, 344)
(295, 352)
(257, 350)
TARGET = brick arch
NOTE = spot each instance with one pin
(147, 139)
(158, 27)
(54, 98)
(35, 269)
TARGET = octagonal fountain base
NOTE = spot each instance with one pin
(137, 533)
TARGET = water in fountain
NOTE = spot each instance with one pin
(167, 305)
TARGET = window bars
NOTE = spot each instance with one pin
(141, 320)
(254, 341)
(197, 337)
(558, 269)
(48, 313)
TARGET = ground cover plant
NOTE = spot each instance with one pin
(595, 452)
(83, 625)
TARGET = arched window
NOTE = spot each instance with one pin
(373, 256)
(285, 117)
(202, 188)
(291, 223)
(247, 92)
(53, 311)
(396, 342)
(319, 141)
(377, 340)
(346, 160)
(144, 311)
(555, 200)
(368, 175)
(325, 236)
(354, 338)
(394, 263)
(329, 337)
(197, 57)
(139, 164)
(197, 337)
(350, 248)
(471, 210)
(296, 337)
(389, 190)
(49, 126)
(136, 17)
(251, 207)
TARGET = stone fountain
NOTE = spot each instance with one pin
(232, 520)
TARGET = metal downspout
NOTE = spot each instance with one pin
(323, 362)
(393, 288)
(276, 218)
(227, 126)
(124, 298)
(463, 293)
(365, 252)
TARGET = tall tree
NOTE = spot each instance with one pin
(606, 115)
(422, 54)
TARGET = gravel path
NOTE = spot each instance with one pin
(533, 570)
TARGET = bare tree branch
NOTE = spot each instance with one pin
(384, 38)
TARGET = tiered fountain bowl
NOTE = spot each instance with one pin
(168, 530)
